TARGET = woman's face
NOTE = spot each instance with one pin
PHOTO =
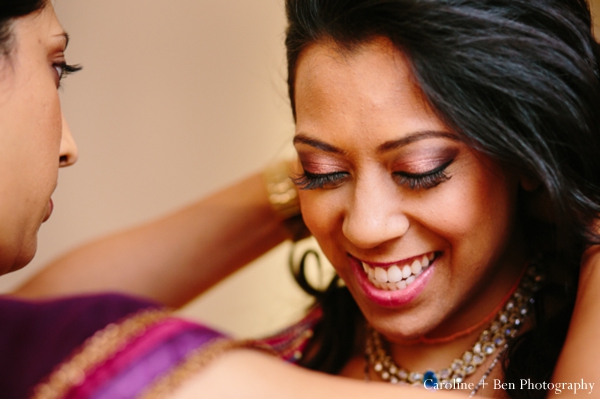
(419, 226)
(34, 138)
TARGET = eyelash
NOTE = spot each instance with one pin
(313, 181)
(424, 181)
(420, 181)
(65, 70)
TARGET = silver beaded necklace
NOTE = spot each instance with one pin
(493, 340)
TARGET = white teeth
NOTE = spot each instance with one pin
(416, 267)
(394, 274)
(381, 275)
(397, 277)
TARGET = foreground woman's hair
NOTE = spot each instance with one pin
(10, 9)
(519, 81)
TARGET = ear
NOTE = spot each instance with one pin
(529, 183)
(536, 200)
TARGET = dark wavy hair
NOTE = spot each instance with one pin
(519, 81)
(9, 10)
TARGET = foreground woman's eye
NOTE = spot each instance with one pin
(423, 181)
(313, 181)
(63, 70)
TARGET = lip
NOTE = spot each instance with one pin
(386, 298)
(49, 209)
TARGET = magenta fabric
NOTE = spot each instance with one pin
(293, 339)
(37, 335)
(152, 355)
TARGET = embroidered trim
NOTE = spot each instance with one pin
(287, 345)
(107, 342)
(100, 347)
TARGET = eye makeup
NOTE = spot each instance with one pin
(426, 180)
(422, 169)
(319, 172)
(416, 166)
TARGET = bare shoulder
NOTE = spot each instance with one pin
(250, 374)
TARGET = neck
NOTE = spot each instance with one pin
(439, 348)
(477, 327)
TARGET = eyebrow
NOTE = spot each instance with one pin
(416, 136)
(383, 148)
(318, 144)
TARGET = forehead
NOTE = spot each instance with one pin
(327, 59)
(39, 27)
(369, 89)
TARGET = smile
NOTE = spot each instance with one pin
(397, 276)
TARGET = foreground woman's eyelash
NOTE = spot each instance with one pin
(424, 181)
(65, 70)
(313, 181)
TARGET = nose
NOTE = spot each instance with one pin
(375, 215)
(68, 148)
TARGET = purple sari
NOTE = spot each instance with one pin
(37, 336)
(113, 346)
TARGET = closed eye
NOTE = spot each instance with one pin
(313, 181)
(424, 181)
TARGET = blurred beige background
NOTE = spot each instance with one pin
(176, 99)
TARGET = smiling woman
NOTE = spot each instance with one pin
(447, 150)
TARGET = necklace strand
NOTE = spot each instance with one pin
(488, 371)
(504, 328)
(481, 380)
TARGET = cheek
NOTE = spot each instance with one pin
(476, 212)
(318, 211)
(323, 215)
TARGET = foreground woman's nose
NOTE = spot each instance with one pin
(374, 217)
(68, 148)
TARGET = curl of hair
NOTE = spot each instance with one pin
(518, 80)
(11, 9)
(339, 312)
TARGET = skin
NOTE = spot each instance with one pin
(34, 138)
(362, 121)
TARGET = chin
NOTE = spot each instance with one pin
(400, 331)
(18, 260)
(403, 325)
